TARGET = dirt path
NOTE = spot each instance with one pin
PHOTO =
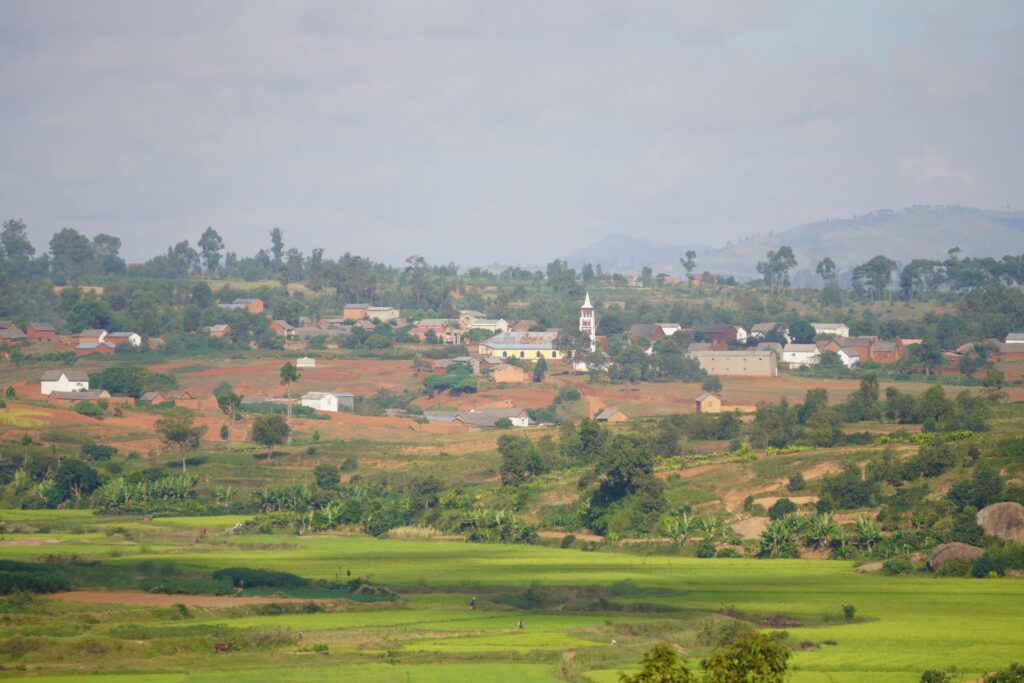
(163, 600)
(691, 472)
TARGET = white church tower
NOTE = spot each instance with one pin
(588, 324)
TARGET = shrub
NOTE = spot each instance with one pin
(849, 612)
(781, 508)
(705, 549)
(897, 565)
(89, 409)
(796, 483)
(568, 540)
(243, 577)
(96, 451)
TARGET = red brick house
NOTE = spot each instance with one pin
(720, 334)
(40, 332)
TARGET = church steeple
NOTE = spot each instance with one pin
(588, 324)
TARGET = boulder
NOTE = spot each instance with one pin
(953, 551)
(1003, 520)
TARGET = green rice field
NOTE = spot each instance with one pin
(903, 624)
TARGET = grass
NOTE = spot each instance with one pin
(905, 624)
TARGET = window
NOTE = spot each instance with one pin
(504, 354)
(538, 354)
(522, 354)
(554, 354)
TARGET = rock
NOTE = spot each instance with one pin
(1003, 520)
(953, 551)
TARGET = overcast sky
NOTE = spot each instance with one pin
(485, 131)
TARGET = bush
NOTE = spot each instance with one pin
(796, 483)
(781, 508)
(95, 451)
(849, 612)
(897, 565)
(705, 549)
(567, 541)
(89, 409)
(243, 577)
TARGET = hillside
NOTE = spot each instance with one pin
(626, 252)
(915, 232)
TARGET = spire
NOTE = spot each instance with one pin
(586, 302)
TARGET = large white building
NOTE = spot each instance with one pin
(63, 380)
(329, 401)
(801, 355)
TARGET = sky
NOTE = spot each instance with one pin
(499, 132)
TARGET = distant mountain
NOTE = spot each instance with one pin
(622, 252)
(915, 232)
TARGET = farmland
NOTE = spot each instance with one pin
(903, 624)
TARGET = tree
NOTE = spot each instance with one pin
(106, 252)
(877, 273)
(712, 384)
(802, 331)
(775, 269)
(289, 375)
(210, 245)
(72, 254)
(646, 276)
(661, 664)
(277, 244)
(781, 508)
(75, 478)
(540, 368)
(520, 459)
(927, 355)
(753, 656)
(326, 476)
(14, 242)
(689, 262)
(228, 404)
(270, 430)
(826, 269)
(177, 428)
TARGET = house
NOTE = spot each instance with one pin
(885, 352)
(467, 315)
(510, 374)
(156, 397)
(354, 311)
(155, 343)
(801, 355)
(94, 336)
(739, 363)
(305, 363)
(861, 346)
(488, 417)
(488, 324)
(282, 328)
(523, 325)
(253, 306)
(611, 415)
(720, 334)
(6, 324)
(762, 330)
(833, 329)
(40, 332)
(848, 357)
(70, 398)
(89, 348)
(699, 346)
(1015, 338)
(774, 347)
(63, 380)
(218, 331)
(307, 333)
(645, 333)
(120, 338)
(708, 402)
(329, 401)
(11, 335)
(741, 335)
(527, 345)
(382, 313)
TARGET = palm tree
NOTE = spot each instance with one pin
(289, 374)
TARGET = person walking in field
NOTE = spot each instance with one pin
(472, 602)
(521, 625)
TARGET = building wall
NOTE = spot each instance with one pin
(709, 405)
(525, 354)
(354, 313)
(62, 385)
(739, 364)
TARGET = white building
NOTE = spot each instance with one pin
(834, 329)
(741, 335)
(328, 401)
(588, 327)
(849, 358)
(1015, 338)
(801, 355)
(63, 380)
(305, 362)
(131, 338)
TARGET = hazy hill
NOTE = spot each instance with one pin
(915, 232)
(625, 252)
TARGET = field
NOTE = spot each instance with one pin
(902, 626)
